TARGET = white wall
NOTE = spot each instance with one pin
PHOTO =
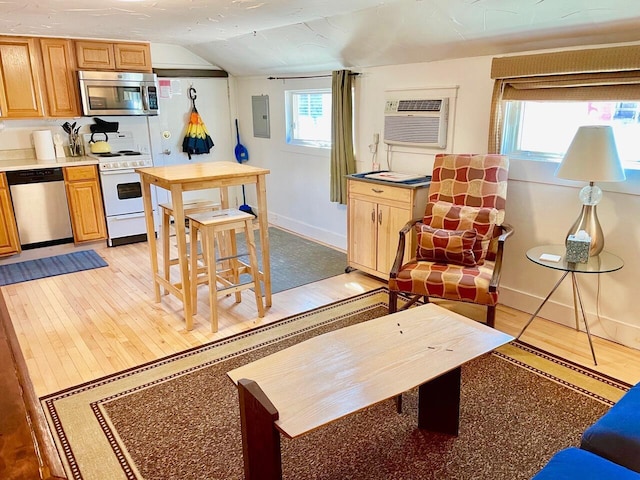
(540, 207)
(298, 185)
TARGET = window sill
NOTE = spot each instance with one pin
(306, 150)
(536, 171)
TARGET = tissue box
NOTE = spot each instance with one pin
(578, 249)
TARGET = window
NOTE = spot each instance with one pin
(309, 117)
(540, 100)
(543, 130)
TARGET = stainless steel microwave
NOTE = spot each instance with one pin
(118, 93)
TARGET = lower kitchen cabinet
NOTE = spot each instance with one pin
(85, 203)
(376, 212)
(9, 240)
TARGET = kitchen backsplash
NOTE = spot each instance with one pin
(16, 140)
(17, 154)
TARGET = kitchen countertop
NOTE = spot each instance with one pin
(32, 163)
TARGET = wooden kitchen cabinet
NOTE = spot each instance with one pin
(20, 92)
(376, 212)
(95, 55)
(133, 56)
(60, 80)
(9, 240)
(85, 203)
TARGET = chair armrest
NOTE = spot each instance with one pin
(397, 263)
(507, 231)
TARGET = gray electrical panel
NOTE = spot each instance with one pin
(260, 108)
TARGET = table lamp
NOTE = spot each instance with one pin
(591, 157)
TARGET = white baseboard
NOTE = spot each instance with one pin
(310, 231)
(603, 327)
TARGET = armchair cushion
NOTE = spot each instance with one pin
(483, 220)
(449, 281)
(446, 246)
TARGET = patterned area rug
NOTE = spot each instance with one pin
(50, 266)
(177, 418)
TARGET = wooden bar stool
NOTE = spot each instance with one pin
(195, 206)
(226, 268)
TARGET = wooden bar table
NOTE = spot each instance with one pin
(201, 176)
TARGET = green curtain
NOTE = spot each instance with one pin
(343, 160)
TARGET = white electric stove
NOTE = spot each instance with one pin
(121, 187)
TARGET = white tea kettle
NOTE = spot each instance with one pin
(99, 146)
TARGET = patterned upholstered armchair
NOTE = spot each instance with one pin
(461, 237)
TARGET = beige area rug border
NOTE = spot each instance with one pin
(589, 382)
(83, 434)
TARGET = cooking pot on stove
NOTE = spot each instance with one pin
(99, 146)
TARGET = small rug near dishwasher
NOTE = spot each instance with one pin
(177, 418)
(50, 266)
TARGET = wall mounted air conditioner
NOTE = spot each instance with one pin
(416, 123)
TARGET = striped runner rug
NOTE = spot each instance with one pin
(50, 266)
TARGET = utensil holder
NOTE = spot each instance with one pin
(76, 148)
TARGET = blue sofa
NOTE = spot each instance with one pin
(574, 463)
(610, 448)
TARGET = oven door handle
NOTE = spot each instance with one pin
(117, 172)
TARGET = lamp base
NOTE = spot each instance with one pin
(588, 221)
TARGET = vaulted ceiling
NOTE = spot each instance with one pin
(252, 37)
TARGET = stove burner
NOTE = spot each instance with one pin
(107, 155)
(128, 152)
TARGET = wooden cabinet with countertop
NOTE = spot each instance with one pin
(97, 55)
(60, 80)
(85, 203)
(375, 214)
(20, 87)
(9, 240)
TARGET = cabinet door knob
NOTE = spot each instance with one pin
(380, 217)
(377, 190)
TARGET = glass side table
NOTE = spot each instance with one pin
(603, 263)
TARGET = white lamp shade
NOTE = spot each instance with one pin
(592, 156)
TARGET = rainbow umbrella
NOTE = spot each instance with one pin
(197, 140)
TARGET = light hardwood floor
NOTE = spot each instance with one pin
(78, 327)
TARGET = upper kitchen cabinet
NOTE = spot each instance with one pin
(20, 94)
(60, 77)
(133, 56)
(92, 55)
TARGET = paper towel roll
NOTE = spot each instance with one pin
(43, 142)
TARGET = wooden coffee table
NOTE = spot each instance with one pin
(330, 376)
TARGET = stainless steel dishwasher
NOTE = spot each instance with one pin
(40, 205)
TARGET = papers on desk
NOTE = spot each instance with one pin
(394, 176)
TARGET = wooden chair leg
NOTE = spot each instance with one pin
(235, 263)
(491, 316)
(253, 261)
(166, 259)
(208, 244)
(193, 266)
(393, 301)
